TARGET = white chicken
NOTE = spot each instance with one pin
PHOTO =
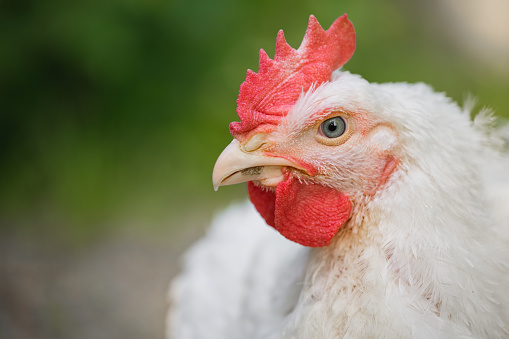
(384, 190)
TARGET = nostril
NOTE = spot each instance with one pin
(256, 142)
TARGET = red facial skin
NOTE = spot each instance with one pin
(308, 213)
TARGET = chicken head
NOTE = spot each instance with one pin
(309, 144)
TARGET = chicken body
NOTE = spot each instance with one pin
(422, 253)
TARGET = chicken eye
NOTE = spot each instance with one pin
(333, 127)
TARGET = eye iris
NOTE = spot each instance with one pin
(333, 127)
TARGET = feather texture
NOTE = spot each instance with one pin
(424, 259)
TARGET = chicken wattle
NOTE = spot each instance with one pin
(308, 214)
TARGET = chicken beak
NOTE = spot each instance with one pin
(236, 165)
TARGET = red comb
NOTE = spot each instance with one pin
(267, 96)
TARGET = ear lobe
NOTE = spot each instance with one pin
(383, 139)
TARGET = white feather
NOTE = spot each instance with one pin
(426, 257)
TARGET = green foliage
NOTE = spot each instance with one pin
(117, 109)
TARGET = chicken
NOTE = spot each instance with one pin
(384, 193)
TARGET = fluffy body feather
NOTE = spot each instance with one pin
(424, 256)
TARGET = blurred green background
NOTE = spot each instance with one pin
(112, 114)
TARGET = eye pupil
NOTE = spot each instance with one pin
(333, 127)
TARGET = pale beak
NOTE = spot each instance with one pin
(235, 165)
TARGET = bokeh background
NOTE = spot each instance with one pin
(112, 114)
